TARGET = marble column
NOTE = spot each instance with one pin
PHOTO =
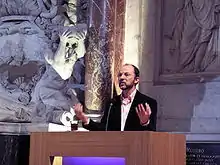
(105, 35)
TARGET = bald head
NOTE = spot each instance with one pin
(136, 70)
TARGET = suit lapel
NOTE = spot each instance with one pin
(117, 114)
(135, 101)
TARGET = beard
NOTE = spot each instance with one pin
(126, 86)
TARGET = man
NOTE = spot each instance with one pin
(130, 111)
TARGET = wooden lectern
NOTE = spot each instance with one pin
(138, 148)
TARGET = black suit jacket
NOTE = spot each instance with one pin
(132, 123)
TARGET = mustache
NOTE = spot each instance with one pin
(122, 81)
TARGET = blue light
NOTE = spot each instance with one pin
(93, 161)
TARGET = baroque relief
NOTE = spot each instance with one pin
(191, 43)
(39, 40)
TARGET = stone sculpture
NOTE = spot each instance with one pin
(37, 37)
(195, 35)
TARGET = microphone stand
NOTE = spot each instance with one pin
(107, 120)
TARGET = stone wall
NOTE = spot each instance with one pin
(177, 53)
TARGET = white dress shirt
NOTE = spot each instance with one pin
(125, 108)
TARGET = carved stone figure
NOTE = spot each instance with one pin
(71, 48)
(18, 71)
(40, 41)
(53, 90)
(195, 35)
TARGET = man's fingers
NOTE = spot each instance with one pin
(78, 107)
(138, 112)
(142, 109)
(148, 109)
(139, 107)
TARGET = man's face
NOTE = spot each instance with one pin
(127, 78)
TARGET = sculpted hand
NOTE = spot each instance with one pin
(74, 38)
(78, 108)
(143, 113)
(64, 37)
(71, 48)
(72, 35)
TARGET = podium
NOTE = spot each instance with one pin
(137, 148)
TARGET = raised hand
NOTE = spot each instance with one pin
(64, 37)
(73, 34)
(70, 49)
(78, 109)
(143, 113)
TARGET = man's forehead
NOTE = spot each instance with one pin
(127, 68)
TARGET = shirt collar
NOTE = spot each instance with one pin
(130, 97)
(133, 94)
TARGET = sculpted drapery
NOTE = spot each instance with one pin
(195, 35)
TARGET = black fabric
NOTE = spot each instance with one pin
(132, 122)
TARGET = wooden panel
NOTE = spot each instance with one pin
(138, 148)
(165, 148)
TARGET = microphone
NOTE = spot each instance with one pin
(109, 111)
